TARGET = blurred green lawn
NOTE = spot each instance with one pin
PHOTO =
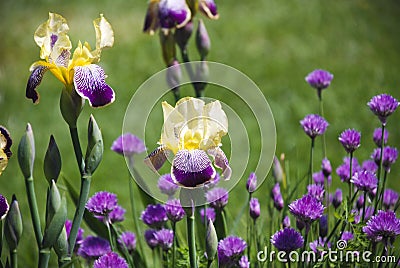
(275, 43)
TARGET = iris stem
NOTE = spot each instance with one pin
(30, 190)
(44, 257)
(191, 238)
(14, 258)
(174, 243)
(185, 58)
(379, 168)
(77, 149)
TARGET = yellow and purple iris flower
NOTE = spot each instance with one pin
(80, 71)
(169, 14)
(192, 132)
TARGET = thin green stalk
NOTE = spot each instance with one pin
(351, 174)
(190, 221)
(77, 149)
(365, 201)
(83, 196)
(110, 237)
(44, 257)
(174, 243)
(209, 263)
(248, 227)
(310, 171)
(223, 216)
(14, 258)
(321, 113)
(380, 201)
(379, 168)
(30, 190)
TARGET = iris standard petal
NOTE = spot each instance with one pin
(173, 13)
(90, 84)
(104, 36)
(156, 159)
(151, 21)
(34, 81)
(191, 168)
(221, 161)
(209, 8)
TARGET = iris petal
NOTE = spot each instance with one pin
(192, 168)
(151, 21)
(34, 81)
(156, 159)
(90, 84)
(173, 13)
(221, 161)
(209, 8)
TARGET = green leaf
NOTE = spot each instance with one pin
(94, 224)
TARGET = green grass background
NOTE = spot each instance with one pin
(275, 43)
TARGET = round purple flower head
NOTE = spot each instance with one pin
(385, 226)
(314, 125)
(350, 139)
(3, 207)
(102, 203)
(319, 79)
(174, 210)
(307, 209)
(287, 240)
(167, 185)
(151, 240)
(128, 144)
(164, 237)
(79, 238)
(209, 213)
(110, 260)
(377, 137)
(360, 202)
(390, 198)
(128, 240)
(343, 171)
(382, 106)
(286, 222)
(217, 197)
(244, 262)
(116, 215)
(326, 167)
(251, 183)
(389, 156)
(337, 198)
(154, 216)
(93, 247)
(319, 178)
(316, 191)
(230, 249)
(319, 244)
(370, 165)
(254, 206)
(365, 181)
(347, 236)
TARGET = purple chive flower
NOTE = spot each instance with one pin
(244, 262)
(319, 177)
(316, 191)
(369, 212)
(287, 240)
(116, 215)
(382, 106)
(318, 244)
(110, 260)
(389, 156)
(360, 202)
(314, 125)
(337, 198)
(167, 185)
(377, 137)
(350, 139)
(390, 198)
(164, 237)
(370, 165)
(102, 203)
(209, 213)
(93, 247)
(326, 167)
(254, 206)
(128, 240)
(385, 226)
(319, 79)
(365, 181)
(277, 197)
(230, 249)
(347, 236)
(251, 183)
(307, 209)
(154, 216)
(79, 238)
(3, 207)
(128, 144)
(323, 226)
(343, 171)
(286, 222)
(151, 240)
(217, 197)
(174, 210)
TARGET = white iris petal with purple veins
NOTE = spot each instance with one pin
(90, 84)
